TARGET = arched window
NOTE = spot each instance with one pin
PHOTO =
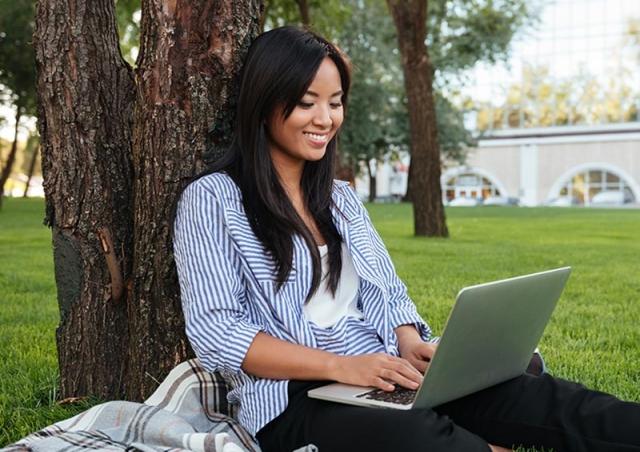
(584, 185)
(469, 185)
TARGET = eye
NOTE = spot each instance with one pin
(336, 104)
(305, 105)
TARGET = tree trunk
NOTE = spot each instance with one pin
(115, 157)
(410, 19)
(11, 158)
(32, 167)
(303, 7)
(85, 92)
(190, 54)
(373, 182)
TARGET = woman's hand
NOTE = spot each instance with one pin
(413, 348)
(378, 370)
(419, 354)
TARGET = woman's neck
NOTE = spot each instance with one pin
(289, 173)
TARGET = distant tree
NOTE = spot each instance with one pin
(540, 100)
(327, 17)
(410, 20)
(17, 72)
(31, 152)
(128, 16)
(437, 39)
(460, 33)
(375, 115)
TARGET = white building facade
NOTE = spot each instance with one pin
(539, 166)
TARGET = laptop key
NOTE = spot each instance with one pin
(399, 395)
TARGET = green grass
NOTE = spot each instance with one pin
(28, 319)
(593, 336)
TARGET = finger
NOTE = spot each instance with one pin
(383, 384)
(407, 372)
(414, 372)
(400, 379)
(395, 360)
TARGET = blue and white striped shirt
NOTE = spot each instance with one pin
(228, 290)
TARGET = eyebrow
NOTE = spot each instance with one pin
(313, 93)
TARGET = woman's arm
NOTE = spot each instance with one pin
(269, 357)
(219, 328)
(211, 287)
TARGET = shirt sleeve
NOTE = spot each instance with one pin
(402, 310)
(211, 285)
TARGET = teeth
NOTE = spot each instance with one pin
(316, 137)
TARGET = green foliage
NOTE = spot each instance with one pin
(461, 33)
(328, 17)
(592, 337)
(128, 18)
(376, 120)
(18, 69)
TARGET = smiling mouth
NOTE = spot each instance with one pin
(317, 137)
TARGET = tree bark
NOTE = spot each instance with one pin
(190, 54)
(410, 20)
(11, 158)
(85, 92)
(32, 168)
(116, 154)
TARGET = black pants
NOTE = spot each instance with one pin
(541, 412)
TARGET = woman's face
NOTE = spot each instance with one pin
(304, 135)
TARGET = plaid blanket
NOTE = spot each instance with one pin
(188, 412)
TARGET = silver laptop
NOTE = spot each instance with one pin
(491, 334)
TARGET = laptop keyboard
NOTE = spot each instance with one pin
(399, 395)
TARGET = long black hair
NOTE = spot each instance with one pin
(279, 67)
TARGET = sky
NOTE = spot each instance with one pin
(572, 35)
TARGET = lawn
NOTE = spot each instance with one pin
(593, 336)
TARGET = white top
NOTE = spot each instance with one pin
(325, 310)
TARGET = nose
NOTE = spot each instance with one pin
(322, 118)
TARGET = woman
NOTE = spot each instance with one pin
(286, 284)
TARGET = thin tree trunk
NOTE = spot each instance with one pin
(85, 92)
(373, 183)
(410, 19)
(264, 14)
(11, 158)
(32, 167)
(303, 7)
(190, 54)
